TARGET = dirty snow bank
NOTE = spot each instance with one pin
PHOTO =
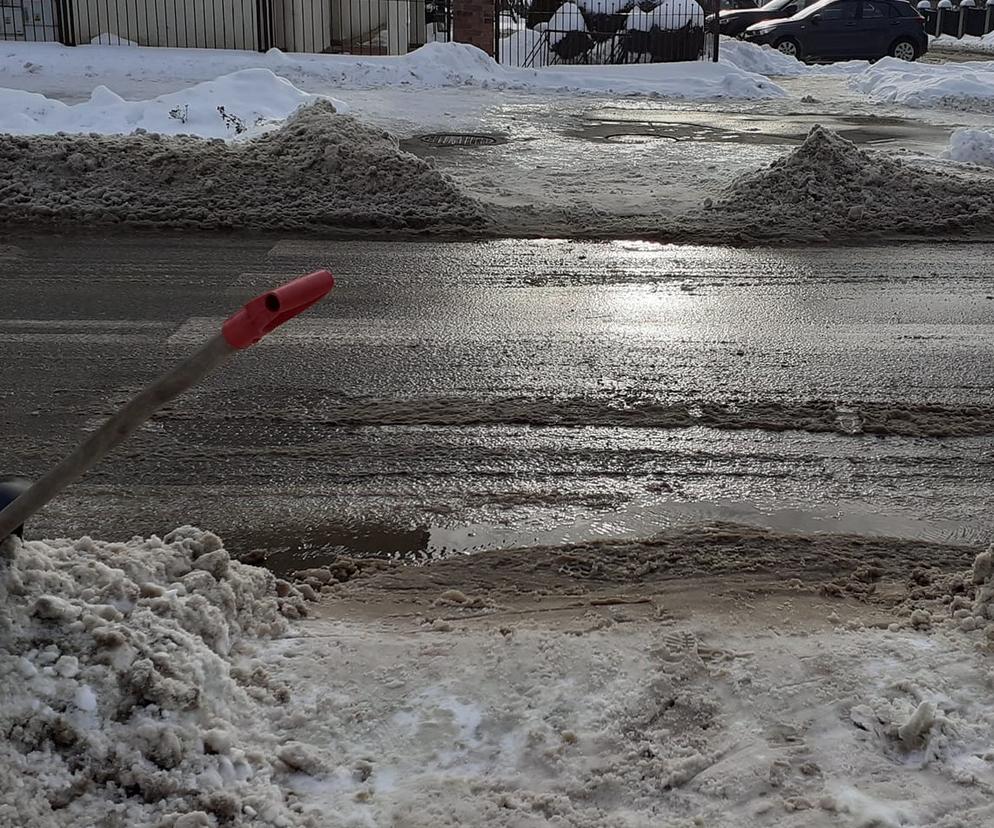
(58, 70)
(124, 699)
(243, 103)
(319, 170)
(829, 189)
(963, 86)
(972, 146)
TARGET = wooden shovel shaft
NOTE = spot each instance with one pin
(117, 429)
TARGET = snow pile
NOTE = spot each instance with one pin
(240, 104)
(829, 189)
(434, 66)
(972, 146)
(966, 86)
(763, 60)
(319, 170)
(125, 701)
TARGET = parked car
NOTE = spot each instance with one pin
(847, 30)
(734, 23)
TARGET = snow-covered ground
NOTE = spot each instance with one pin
(549, 174)
(67, 73)
(160, 683)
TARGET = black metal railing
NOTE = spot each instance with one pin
(959, 19)
(371, 27)
(551, 32)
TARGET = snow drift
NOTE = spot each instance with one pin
(967, 86)
(829, 189)
(320, 170)
(434, 66)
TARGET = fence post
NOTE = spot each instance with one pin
(716, 24)
(475, 22)
(712, 12)
(66, 22)
(264, 24)
(963, 6)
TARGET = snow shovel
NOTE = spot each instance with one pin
(261, 315)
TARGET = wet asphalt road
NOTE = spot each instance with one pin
(470, 395)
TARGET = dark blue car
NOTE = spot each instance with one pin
(847, 30)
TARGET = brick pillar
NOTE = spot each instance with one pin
(473, 23)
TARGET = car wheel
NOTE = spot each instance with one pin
(904, 49)
(789, 46)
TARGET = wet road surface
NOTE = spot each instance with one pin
(461, 396)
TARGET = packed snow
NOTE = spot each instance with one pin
(972, 146)
(241, 104)
(319, 170)
(830, 189)
(161, 683)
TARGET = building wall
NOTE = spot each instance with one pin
(217, 24)
(378, 27)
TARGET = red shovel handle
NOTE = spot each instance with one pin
(270, 310)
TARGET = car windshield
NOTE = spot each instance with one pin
(776, 5)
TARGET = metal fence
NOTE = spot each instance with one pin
(370, 27)
(969, 17)
(550, 32)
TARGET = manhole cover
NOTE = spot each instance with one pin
(637, 138)
(455, 139)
